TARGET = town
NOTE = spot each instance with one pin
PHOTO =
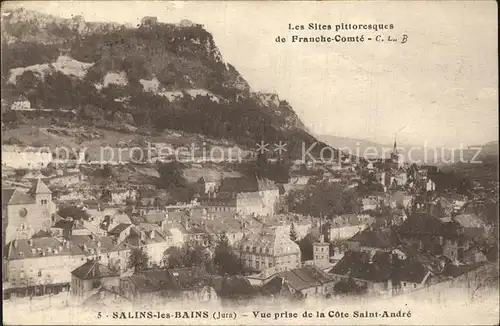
(77, 234)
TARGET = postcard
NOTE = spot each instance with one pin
(250, 163)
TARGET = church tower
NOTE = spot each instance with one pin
(43, 196)
(395, 157)
(321, 252)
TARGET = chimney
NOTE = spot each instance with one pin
(152, 234)
(321, 238)
(30, 242)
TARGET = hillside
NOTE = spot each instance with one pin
(153, 77)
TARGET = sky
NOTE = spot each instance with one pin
(440, 87)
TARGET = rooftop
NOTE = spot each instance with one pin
(376, 238)
(305, 277)
(92, 269)
(245, 184)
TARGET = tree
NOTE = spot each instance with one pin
(108, 171)
(293, 233)
(225, 260)
(171, 176)
(173, 257)
(306, 248)
(138, 259)
(187, 256)
(77, 213)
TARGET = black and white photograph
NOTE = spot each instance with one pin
(250, 162)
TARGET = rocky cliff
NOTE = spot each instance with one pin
(153, 76)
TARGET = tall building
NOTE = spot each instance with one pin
(321, 252)
(24, 214)
(245, 196)
(268, 249)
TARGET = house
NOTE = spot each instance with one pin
(208, 184)
(381, 273)
(90, 276)
(473, 226)
(245, 196)
(67, 227)
(369, 204)
(32, 158)
(191, 284)
(430, 185)
(321, 253)
(149, 21)
(24, 214)
(65, 179)
(345, 226)
(220, 224)
(21, 104)
(234, 290)
(456, 239)
(374, 239)
(144, 286)
(399, 199)
(307, 281)
(108, 222)
(151, 237)
(51, 259)
(268, 248)
(119, 196)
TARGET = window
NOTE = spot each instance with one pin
(39, 273)
(404, 283)
(414, 286)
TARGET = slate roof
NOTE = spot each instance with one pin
(39, 188)
(376, 238)
(380, 269)
(245, 184)
(469, 221)
(143, 284)
(92, 269)
(16, 197)
(65, 224)
(189, 278)
(270, 241)
(305, 277)
(21, 249)
(357, 265)
(119, 228)
(235, 287)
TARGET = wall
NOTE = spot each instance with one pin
(38, 217)
(55, 269)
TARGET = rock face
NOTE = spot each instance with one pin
(172, 75)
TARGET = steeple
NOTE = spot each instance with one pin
(39, 188)
(395, 146)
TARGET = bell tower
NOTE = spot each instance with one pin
(43, 197)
